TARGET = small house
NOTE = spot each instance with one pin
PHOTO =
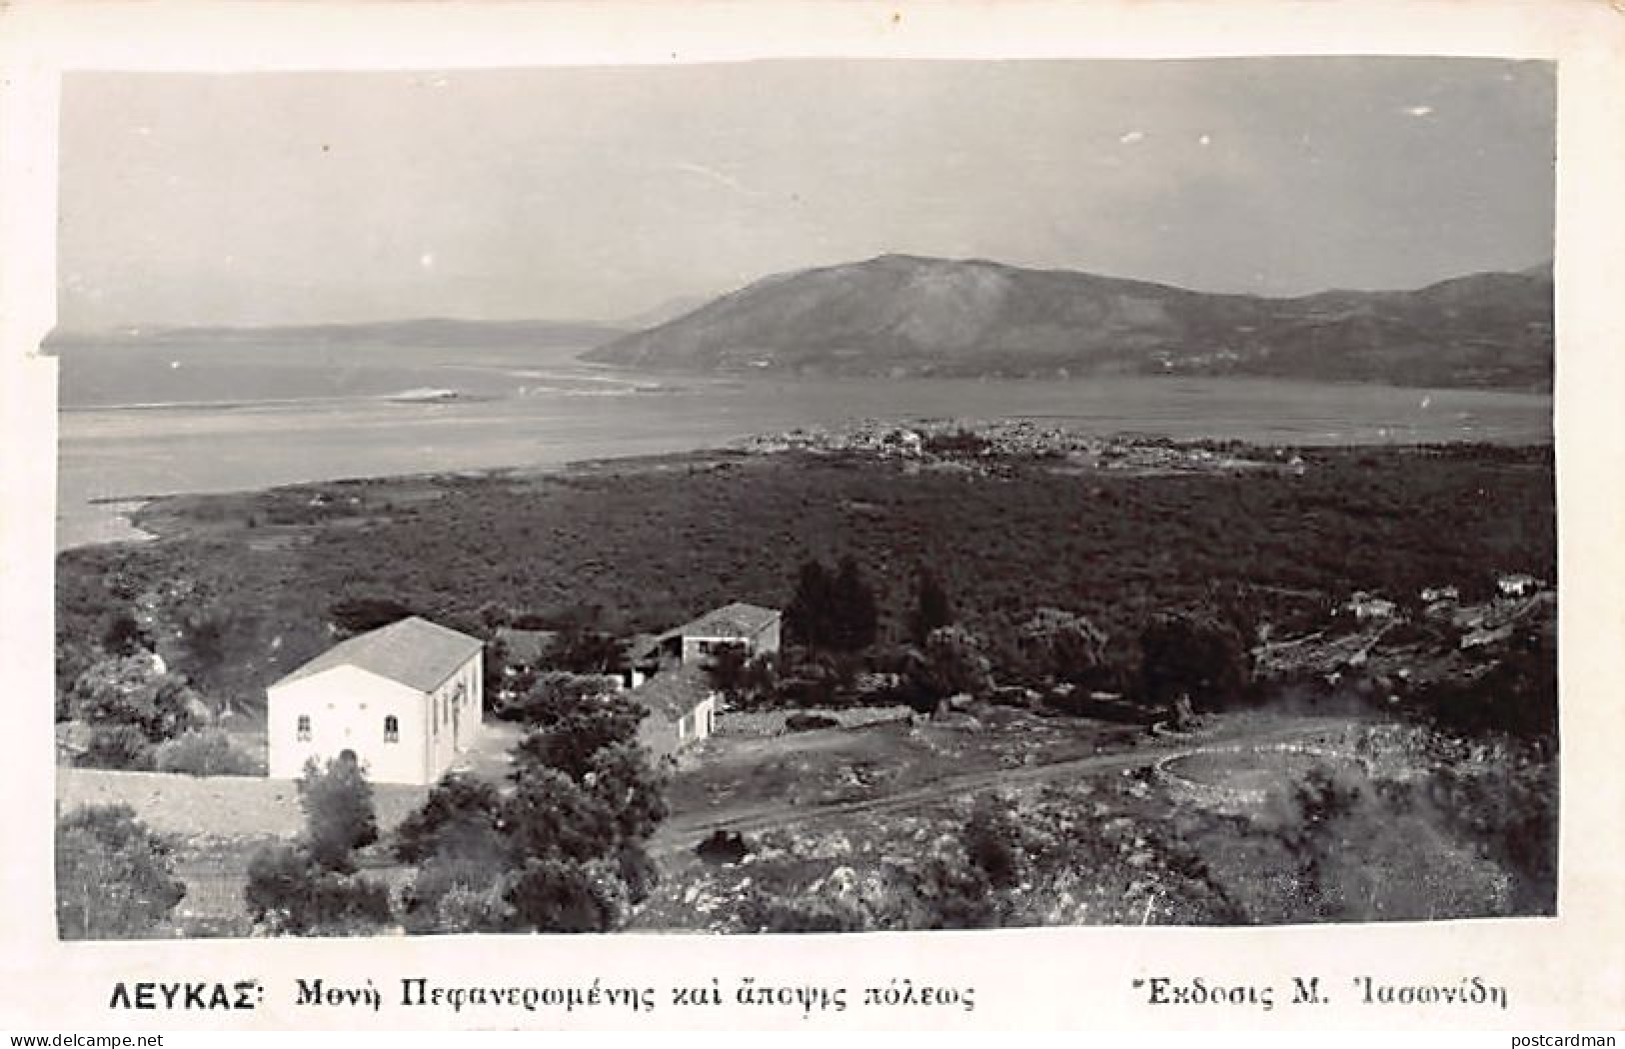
(751, 628)
(1365, 607)
(404, 700)
(1518, 585)
(682, 706)
(1433, 595)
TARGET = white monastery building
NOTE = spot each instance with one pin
(404, 699)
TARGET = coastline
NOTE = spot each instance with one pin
(985, 446)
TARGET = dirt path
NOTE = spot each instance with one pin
(683, 831)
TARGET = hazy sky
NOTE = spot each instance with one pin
(600, 193)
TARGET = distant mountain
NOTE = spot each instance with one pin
(661, 312)
(422, 332)
(903, 315)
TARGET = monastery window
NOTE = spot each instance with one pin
(303, 729)
(392, 729)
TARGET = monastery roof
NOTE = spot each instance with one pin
(412, 651)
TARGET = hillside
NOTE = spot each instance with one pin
(903, 315)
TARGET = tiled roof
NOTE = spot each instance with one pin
(640, 647)
(735, 620)
(672, 693)
(412, 651)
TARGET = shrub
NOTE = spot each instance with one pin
(762, 911)
(290, 891)
(117, 747)
(951, 663)
(459, 808)
(992, 841)
(555, 895)
(203, 753)
(809, 722)
(1194, 656)
(722, 847)
(337, 800)
(1061, 646)
(114, 878)
(556, 694)
(129, 690)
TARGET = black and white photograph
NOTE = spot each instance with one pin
(806, 496)
(711, 517)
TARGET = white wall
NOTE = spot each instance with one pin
(454, 713)
(347, 707)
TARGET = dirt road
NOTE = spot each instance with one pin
(683, 830)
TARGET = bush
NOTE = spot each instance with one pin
(951, 664)
(762, 911)
(1194, 656)
(129, 691)
(1059, 646)
(809, 722)
(554, 695)
(203, 753)
(290, 891)
(337, 800)
(117, 747)
(722, 847)
(459, 809)
(557, 895)
(114, 878)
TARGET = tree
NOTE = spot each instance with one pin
(570, 740)
(129, 690)
(554, 694)
(459, 808)
(744, 681)
(114, 878)
(589, 642)
(1191, 658)
(457, 841)
(726, 669)
(622, 778)
(288, 891)
(932, 607)
(951, 663)
(337, 801)
(810, 614)
(555, 895)
(855, 619)
(835, 611)
(310, 886)
(124, 636)
(1061, 646)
